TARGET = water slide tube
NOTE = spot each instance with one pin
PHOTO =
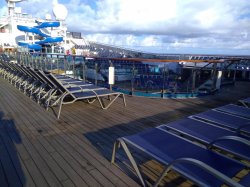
(32, 30)
(47, 24)
(35, 47)
(50, 40)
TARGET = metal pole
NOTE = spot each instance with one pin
(96, 73)
(83, 70)
(51, 63)
(164, 79)
(57, 65)
(65, 64)
(194, 77)
(45, 63)
(235, 70)
(133, 79)
(36, 61)
(74, 73)
(214, 78)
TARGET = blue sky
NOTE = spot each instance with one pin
(165, 26)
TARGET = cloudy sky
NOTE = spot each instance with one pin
(165, 26)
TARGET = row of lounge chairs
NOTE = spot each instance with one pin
(53, 90)
(208, 148)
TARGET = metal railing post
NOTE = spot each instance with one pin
(74, 73)
(214, 76)
(83, 70)
(133, 79)
(57, 65)
(96, 72)
(163, 81)
(194, 78)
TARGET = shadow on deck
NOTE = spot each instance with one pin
(11, 173)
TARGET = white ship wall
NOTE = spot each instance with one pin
(12, 35)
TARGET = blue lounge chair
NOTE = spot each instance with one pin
(83, 93)
(245, 102)
(212, 136)
(239, 124)
(235, 110)
(202, 166)
(69, 81)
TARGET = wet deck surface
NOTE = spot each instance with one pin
(36, 149)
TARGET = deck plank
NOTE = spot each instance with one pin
(3, 177)
(76, 150)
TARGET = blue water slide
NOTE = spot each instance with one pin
(32, 30)
(36, 30)
(50, 40)
(47, 24)
(35, 47)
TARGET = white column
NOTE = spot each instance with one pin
(218, 80)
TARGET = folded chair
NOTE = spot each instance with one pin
(37, 83)
(226, 120)
(46, 90)
(245, 102)
(27, 81)
(212, 136)
(83, 93)
(12, 72)
(235, 110)
(202, 166)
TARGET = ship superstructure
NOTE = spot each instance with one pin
(21, 30)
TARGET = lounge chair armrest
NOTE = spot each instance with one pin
(243, 126)
(206, 168)
(235, 138)
(244, 103)
(75, 86)
(81, 90)
(85, 90)
(64, 83)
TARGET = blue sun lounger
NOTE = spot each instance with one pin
(212, 136)
(236, 123)
(245, 102)
(83, 93)
(202, 166)
(235, 110)
(65, 80)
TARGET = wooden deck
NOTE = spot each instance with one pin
(36, 149)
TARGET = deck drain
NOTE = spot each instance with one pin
(40, 130)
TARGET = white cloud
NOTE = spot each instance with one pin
(172, 24)
(189, 21)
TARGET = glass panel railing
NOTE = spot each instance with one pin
(137, 76)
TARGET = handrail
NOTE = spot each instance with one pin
(206, 168)
(130, 59)
(224, 138)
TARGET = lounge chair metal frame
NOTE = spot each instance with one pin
(245, 102)
(239, 129)
(123, 142)
(182, 127)
(237, 111)
(90, 98)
